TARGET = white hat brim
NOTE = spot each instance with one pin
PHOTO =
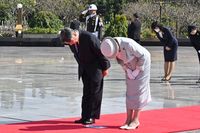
(116, 47)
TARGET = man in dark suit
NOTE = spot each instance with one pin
(194, 36)
(94, 66)
(75, 24)
(134, 28)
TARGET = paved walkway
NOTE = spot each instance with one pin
(38, 83)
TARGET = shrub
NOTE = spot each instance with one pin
(38, 30)
(148, 34)
(7, 34)
(45, 19)
(4, 12)
(117, 26)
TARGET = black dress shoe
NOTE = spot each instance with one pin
(79, 121)
(163, 79)
(88, 121)
(198, 81)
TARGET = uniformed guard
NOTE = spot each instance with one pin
(94, 22)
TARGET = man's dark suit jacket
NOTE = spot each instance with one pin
(134, 30)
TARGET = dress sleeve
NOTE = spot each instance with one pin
(169, 41)
(137, 52)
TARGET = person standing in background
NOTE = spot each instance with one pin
(134, 28)
(75, 24)
(170, 48)
(194, 36)
(136, 62)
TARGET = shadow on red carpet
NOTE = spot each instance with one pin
(152, 121)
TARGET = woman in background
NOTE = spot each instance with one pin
(170, 48)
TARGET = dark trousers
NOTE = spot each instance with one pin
(198, 55)
(92, 97)
(137, 40)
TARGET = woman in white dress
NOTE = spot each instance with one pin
(136, 62)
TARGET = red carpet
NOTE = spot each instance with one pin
(152, 121)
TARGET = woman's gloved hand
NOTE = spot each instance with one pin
(132, 74)
(129, 73)
(135, 72)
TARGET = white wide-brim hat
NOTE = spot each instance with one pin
(109, 47)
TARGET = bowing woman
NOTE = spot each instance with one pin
(136, 62)
(170, 44)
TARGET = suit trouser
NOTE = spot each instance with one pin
(92, 96)
(138, 41)
(198, 55)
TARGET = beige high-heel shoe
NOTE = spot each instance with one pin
(124, 126)
(132, 126)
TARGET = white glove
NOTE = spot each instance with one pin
(124, 67)
(129, 74)
(198, 51)
(132, 74)
(84, 12)
(135, 73)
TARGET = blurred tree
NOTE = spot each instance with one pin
(28, 8)
(67, 10)
(176, 15)
(112, 7)
(4, 12)
(45, 19)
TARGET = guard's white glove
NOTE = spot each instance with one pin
(198, 51)
(84, 12)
